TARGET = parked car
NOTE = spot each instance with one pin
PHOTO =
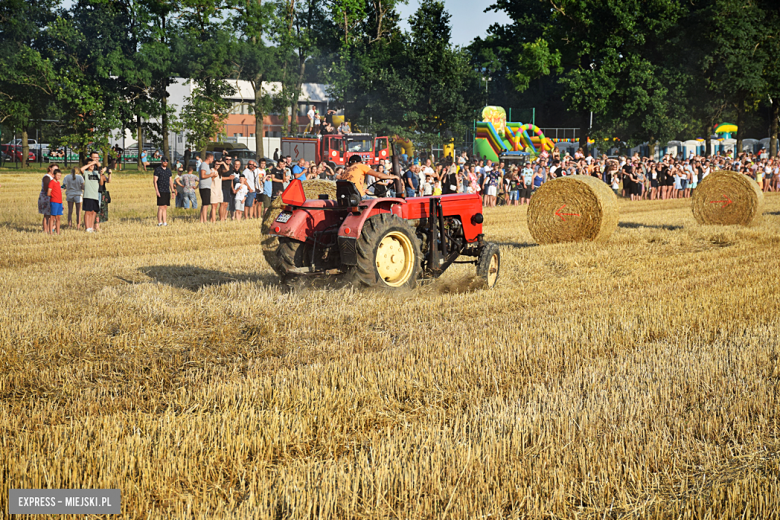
(31, 143)
(16, 155)
(13, 150)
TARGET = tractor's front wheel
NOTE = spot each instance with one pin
(388, 253)
(489, 264)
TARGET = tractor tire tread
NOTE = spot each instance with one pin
(373, 230)
(483, 263)
(288, 255)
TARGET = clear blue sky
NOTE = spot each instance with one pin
(468, 19)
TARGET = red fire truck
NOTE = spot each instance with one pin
(336, 149)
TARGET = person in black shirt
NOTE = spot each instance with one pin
(163, 186)
(277, 178)
(628, 185)
(118, 153)
(449, 180)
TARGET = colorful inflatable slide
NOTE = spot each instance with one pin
(495, 136)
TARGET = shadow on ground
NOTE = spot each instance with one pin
(772, 213)
(636, 225)
(193, 278)
(22, 228)
(516, 245)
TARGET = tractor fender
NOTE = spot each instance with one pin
(305, 220)
(353, 224)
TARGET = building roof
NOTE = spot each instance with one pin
(310, 92)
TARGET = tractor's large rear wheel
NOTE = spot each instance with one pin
(290, 255)
(270, 247)
(489, 264)
(388, 253)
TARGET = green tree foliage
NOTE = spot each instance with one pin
(771, 68)
(27, 83)
(210, 59)
(205, 111)
(256, 60)
(414, 84)
(647, 69)
(88, 51)
(735, 65)
(156, 34)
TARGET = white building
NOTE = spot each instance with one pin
(240, 124)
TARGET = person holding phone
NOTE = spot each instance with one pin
(92, 181)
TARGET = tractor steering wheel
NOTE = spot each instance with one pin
(380, 180)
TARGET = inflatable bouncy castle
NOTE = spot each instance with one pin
(495, 136)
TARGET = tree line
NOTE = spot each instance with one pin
(641, 70)
(95, 66)
(648, 70)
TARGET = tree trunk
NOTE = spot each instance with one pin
(164, 130)
(140, 137)
(773, 127)
(25, 148)
(651, 147)
(707, 140)
(259, 115)
(740, 124)
(298, 85)
(284, 107)
(294, 116)
(584, 132)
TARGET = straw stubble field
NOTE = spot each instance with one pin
(635, 378)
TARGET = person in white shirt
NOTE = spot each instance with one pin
(74, 191)
(425, 172)
(427, 186)
(769, 181)
(462, 160)
(253, 187)
(240, 191)
(310, 114)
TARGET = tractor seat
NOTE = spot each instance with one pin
(347, 194)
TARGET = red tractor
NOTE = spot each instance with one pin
(382, 242)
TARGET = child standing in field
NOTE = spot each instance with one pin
(74, 190)
(240, 190)
(55, 201)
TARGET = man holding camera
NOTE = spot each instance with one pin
(91, 173)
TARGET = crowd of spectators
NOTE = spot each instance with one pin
(233, 189)
(230, 190)
(634, 178)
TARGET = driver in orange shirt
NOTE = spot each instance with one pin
(356, 172)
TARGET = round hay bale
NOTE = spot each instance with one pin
(313, 189)
(572, 209)
(727, 198)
